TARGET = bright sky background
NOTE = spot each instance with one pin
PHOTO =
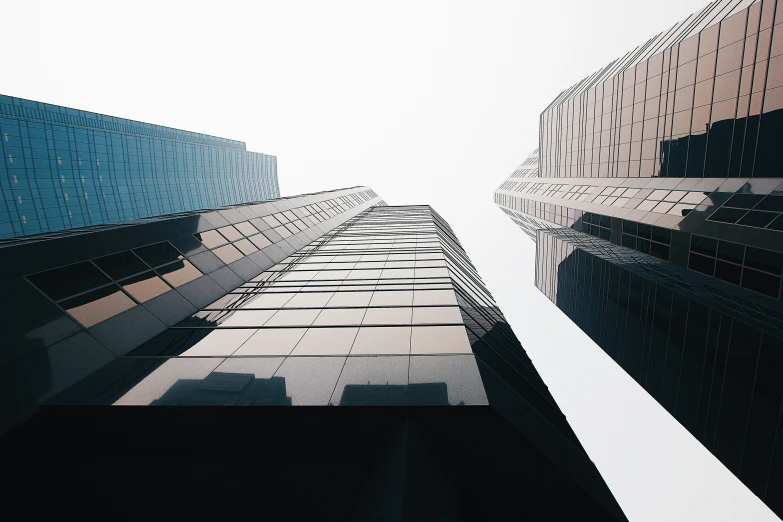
(427, 102)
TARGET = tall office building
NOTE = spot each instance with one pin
(657, 209)
(366, 370)
(63, 168)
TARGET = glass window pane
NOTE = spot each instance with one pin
(144, 287)
(174, 370)
(158, 254)
(68, 280)
(390, 298)
(304, 381)
(456, 377)
(272, 341)
(350, 299)
(293, 318)
(434, 297)
(230, 233)
(220, 342)
(228, 254)
(372, 381)
(248, 318)
(382, 341)
(211, 238)
(92, 308)
(246, 228)
(326, 341)
(439, 339)
(121, 265)
(340, 316)
(437, 315)
(309, 300)
(387, 316)
(260, 240)
(179, 273)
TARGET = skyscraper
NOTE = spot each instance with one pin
(63, 168)
(368, 371)
(656, 203)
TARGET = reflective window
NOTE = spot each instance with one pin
(326, 341)
(121, 265)
(272, 341)
(179, 273)
(387, 316)
(293, 318)
(399, 298)
(248, 318)
(382, 341)
(337, 316)
(211, 238)
(68, 280)
(144, 287)
(372, 381)
(92, 308)
(439, 339)
(228, 254)
(437, 315)
(459, 375)
(158, 254)
(220, 342)
(434, 297)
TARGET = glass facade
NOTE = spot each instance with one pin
(656, 205)
(308, 316)
(63, 168)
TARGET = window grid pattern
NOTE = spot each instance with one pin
(756, 269)
(64, 169)
(707, 105)
(365, 314)
(714, 371)
(98, 289)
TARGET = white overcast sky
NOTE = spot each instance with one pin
(427, 102)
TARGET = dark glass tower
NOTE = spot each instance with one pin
(656, 202)
(63, 168)
(368, 372)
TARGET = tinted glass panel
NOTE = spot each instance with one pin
(69, 280)
(121, 265)
(158, 254)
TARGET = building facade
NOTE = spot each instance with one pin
(657, 211)
(64, 168)
(366, 370)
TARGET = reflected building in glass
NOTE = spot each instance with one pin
(64, 168)
(367, 372)
(657, 209)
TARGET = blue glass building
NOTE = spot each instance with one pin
(65, 168)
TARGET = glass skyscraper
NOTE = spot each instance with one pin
(364, 370)
(63, 168)
(656, 202)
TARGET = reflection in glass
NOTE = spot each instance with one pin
(459, 373)
(92, 308)
(158, 254)
(439, 339)
(382, 341)
(271, 341)
(372, 381)
(179, 273)
(437, 314)
(220, 342)
(326, 341)
(68, 280)
(144, 287)
(121, 265)
(309, 381)
(388, 316)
